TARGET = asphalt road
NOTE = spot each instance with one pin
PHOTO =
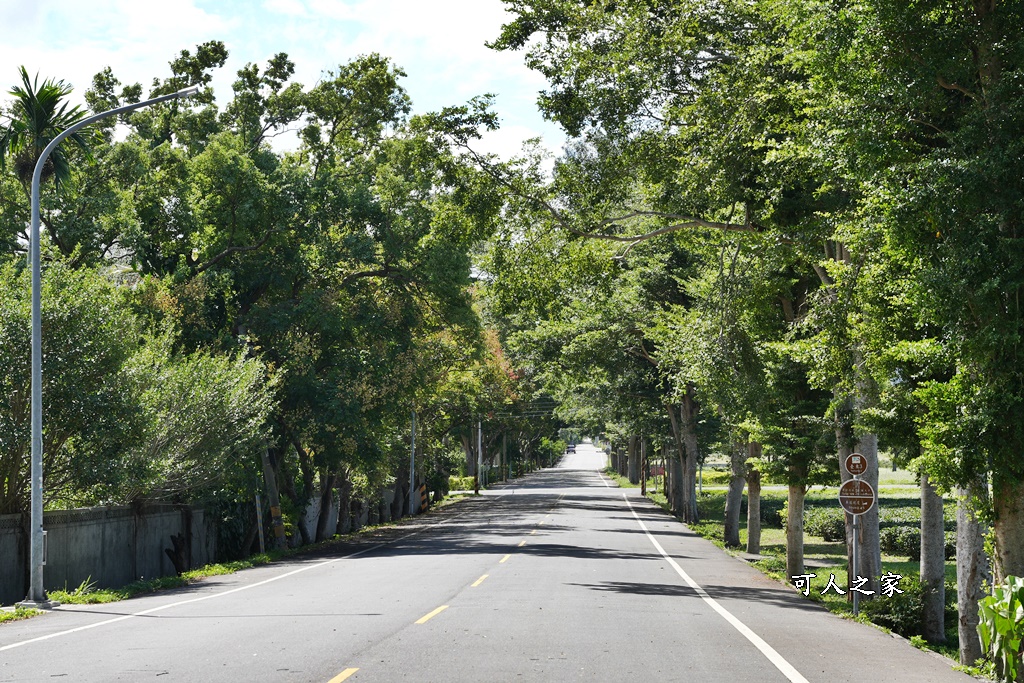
(558, 576)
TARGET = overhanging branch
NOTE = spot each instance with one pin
(681, 222)
(231, 250)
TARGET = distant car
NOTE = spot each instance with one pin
(571, 448)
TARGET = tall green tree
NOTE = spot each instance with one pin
(39, 113)
(688, 118)
(921, 106)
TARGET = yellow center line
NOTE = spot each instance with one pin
(343, 676)
(505, 559)
(479, 581)
(522, 543)
(533, 532)
(428, 617)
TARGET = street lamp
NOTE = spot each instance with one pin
(36, 593)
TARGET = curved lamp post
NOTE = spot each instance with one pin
(36, 593)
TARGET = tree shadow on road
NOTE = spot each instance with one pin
(773, 596)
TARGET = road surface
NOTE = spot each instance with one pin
(556, 577)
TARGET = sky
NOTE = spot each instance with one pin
(438, 43)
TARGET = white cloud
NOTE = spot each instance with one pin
(291, 7)
(73, 40)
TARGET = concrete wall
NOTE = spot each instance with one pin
(111, 546)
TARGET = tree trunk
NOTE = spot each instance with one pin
(267, 455)
(634, 461)
(356, 514)
(644, 446)
(401, 500)
(676, 476)
(795, 531)
(933, 563)
(688, 430)
(734, 498)
(467, 447)
(1008, 525)
(251, 533)
(972, 569)
(664, 470)
(372, 512)
(674, 465)
(303, 526)
(326, 500)
(344, 504)
(753, 501)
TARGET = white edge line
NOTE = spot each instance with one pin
(787, 669)
(216, 595)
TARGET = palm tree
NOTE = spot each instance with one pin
(38, 115)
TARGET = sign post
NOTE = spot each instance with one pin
(856, 497)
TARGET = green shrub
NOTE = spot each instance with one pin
(909, 514)
(715, 477)
(460, 483)
(829, 523)
(906, 540)
(901, 540)
(438, 481)
(902, 612)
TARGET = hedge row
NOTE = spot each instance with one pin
(899, 534)
(771, 510)
(899, 523)
(906, 540)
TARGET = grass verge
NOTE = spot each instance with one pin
(88, 594)
(17, 614)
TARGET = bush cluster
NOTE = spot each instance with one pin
(890, 516)
(906, 540)
(899, 525)
(830, 524)
(460, 483)
(903, 612)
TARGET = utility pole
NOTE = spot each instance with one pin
(480, 451)
(412, 466)
(36, 593)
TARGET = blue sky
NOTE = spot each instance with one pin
(440, 45)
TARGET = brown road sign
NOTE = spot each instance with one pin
(856, 464)
(856, 496)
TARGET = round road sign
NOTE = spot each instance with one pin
(856, 496)
(856, 464)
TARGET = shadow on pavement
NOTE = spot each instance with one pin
(772, 596)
